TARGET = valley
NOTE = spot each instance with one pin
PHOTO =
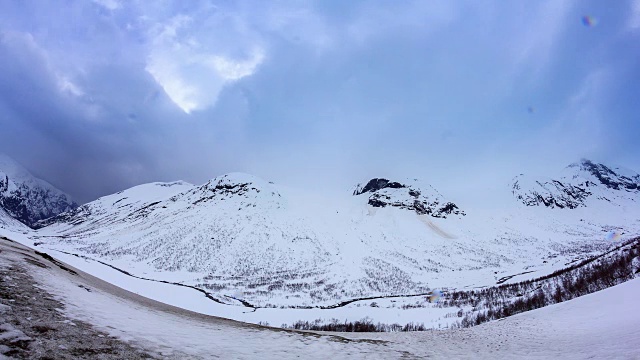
(247, 249)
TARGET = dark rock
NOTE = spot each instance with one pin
(571, 191)
(423, 201)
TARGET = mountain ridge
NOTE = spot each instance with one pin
(577, 185)
(29, 199)
(239, 234)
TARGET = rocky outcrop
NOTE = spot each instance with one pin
(606, 176)
(579, 182)
(549, 193)
(409, 195)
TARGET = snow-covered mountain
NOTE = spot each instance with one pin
(27, 198)
(579, 184)
(411, 195)
(240, 237)
(241, 233)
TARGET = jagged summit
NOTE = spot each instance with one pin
(377, 184)
(548, 192)
(17, 172)
(578, 183)
(410, 194)
(234, 185)
(27, 198)
(612, 177)
(237, 183)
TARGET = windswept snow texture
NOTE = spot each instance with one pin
(26, 198)
(242, 238)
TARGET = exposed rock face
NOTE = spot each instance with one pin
(603, 175)
(410, 195)
(236, 185)
(377, 184)
(549, 193)
(29, 199)
(579, 182)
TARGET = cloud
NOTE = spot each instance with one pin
(535, 39)
(298, 23)
(634, 18)
(109, 4)
(194, 80)
(191, 65)
(409, 17)
(579, 129)
(124, 92)
(69, 87)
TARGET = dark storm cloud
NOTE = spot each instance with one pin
(99, 96)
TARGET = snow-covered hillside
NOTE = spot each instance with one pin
(580, 184)
(27, 198)
(601, 325)
(239, 237)
(8, 222)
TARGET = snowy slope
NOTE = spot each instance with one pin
(11, 224)
(27, 198)
(602, 325)
(240, 237)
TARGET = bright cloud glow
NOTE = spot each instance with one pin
(314, 91)
(189, 69)
(235, 70)
(67, 86)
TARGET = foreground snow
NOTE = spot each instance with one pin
(605, 325)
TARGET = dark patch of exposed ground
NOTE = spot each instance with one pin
(32, 325)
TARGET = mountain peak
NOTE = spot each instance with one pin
(409, 194)
(578, 182)
(237, 180)
(612, 177)
(27, 198)
(12, 168)
(376, 184)
(235, 186)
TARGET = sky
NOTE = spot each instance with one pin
(98, 96)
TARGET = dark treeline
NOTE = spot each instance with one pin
(612, 268)
(364, 325)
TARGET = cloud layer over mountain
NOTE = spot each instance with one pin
(327, 93)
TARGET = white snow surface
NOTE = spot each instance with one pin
(8, 222)
(240, 237)
(604, 324)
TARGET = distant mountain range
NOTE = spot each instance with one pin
(244, 238)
